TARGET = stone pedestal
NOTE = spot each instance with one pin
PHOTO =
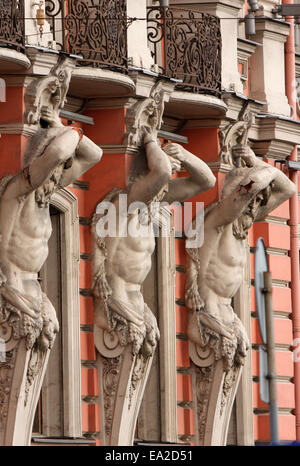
(22, 368)
(214, 386)
(122, 381)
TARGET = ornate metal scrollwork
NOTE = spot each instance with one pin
(54, 14)
(95, 29)
(189, 45)
(12, 28)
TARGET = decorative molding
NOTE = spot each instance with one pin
(270, 127)
(118, 149)
(271, 28)
(244, 395)
(67, 203)
(273, 149)
(18, 128)
(167, 325)
(245, 49)
(41, 61)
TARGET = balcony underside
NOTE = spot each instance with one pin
(92, 83)
(187, 106)
(12, 61)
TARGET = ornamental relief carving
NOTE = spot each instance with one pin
(233, 134)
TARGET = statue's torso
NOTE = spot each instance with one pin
(221, 271)
(25, 229)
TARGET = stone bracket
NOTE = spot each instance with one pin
(215, 391)
(122, 381)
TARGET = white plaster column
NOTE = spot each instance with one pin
(32, 30)
(267, 67)
(138, 52)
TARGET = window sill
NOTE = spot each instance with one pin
(60, 441)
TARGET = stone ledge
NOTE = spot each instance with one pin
(12, 61)
(92, 83)
(51, 441)
(277, 131)
(187, 105)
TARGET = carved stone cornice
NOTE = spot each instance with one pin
(273, 149)
(231, 7)
(235, 102)
(18, 128)
(144, 82)
(42, 60)
(118, 149)
(246, 48)
(268, 127)
(271, 28)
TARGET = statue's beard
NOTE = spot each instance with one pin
(241, 226)
(43, 193)
(147, 215)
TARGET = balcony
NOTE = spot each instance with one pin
(186, 45)
(95, 29)
(12, 24)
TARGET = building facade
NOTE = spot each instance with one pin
(218, 81)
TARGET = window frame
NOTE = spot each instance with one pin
(67, 205)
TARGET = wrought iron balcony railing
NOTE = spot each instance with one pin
(95, 29)
(12, 26)
(186, 45)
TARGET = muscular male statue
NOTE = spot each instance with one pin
(56, 156)
(122, 263)
(215, 270)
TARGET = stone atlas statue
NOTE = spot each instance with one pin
(217, 339)
(55, 156)
(126, 331)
